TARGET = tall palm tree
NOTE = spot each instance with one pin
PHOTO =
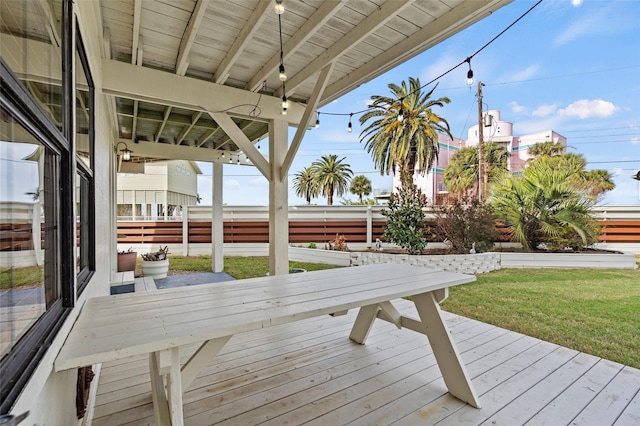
(332, 176)
(305, 185)
(360, 185)
(461, 174)
(403, 131)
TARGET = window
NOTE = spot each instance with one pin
(84, 147)
(37, 168)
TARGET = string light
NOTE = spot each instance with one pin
(470, 72)
(279, 7)
(317, 119)
(350, 127)
(285, 103)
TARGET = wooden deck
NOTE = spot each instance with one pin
(309, 372)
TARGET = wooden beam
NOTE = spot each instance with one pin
(160, 87)
(375, 20)
(206, 137)
(321, 83)
(317, 20)
(189, 36)
(171, 151)
(50, 25)
(258, 16)
(167, 113)
(240, 139)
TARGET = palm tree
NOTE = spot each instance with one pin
(404, 129)
(596, 182)
(548, 148)
(305, 185)
(331, 176)
(360, 186)
(543, 206)
(461, 174)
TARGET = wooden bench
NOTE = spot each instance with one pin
(159, 322)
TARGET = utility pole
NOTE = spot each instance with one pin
(481, 168)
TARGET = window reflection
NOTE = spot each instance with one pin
(27, 273)
(31, 40)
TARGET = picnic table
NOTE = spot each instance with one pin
(159, 322)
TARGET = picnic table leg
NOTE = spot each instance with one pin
(167, 400)
(364, 322)
(453, 371)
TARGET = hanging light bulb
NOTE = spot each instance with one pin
(230, 159)
(350, 127)
(282, 76)
(400, 117)
(285, 104)
(317, 119)
(279, 7)
(469, 73)
(238, 161)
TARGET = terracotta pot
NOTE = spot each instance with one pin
(127, 261)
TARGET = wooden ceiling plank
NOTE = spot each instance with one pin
(255, 20)
(240, 139)
(434, 33)
(206, 137)
(50, 24)
(135, 120)
(317, 20)
(375, 20)
(190, 36)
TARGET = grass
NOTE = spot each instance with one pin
(21, 277)
(590, 310)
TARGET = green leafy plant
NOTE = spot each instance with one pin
(405, 218)
(466, 224)
(312, 245)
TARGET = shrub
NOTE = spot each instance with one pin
(464, 223)
(405, 219)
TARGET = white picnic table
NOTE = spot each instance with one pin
(159, 322)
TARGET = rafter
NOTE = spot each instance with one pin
(167, 113)
(135, 38)
(317, 20)
(255, 20)
(189, 36)
(375, 20)
(429, 36)
(194, 119)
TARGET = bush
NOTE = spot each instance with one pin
(464, 223)
(405, 219)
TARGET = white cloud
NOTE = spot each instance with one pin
(585, 108)
(545, 110)
(517, 108)
(232, 185)
(635, 140)
(583, 27)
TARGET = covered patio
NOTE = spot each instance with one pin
(199, 80)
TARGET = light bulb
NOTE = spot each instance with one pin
(470, 77)
(318, 120)
(282, 76)
(400, 117)
(279, 7)
(126, 155)
(285, 103)
(350, 127)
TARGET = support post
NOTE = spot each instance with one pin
(369, 226)
(278, 200)
(217, 224)
(185, 230)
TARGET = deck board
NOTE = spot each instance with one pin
(309, 372)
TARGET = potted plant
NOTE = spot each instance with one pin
(156, 264)
(127, 260)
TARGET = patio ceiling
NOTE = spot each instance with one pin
(224, 56)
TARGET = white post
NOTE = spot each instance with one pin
(133, 204)
(217, 225)
(278, 200)
(185, 230)
(369, 226)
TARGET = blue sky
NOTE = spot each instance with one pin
(568, 66)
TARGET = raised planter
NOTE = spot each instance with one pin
(127, 261)
(156, 269)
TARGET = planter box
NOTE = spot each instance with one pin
(127, 261)
(156, 269)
